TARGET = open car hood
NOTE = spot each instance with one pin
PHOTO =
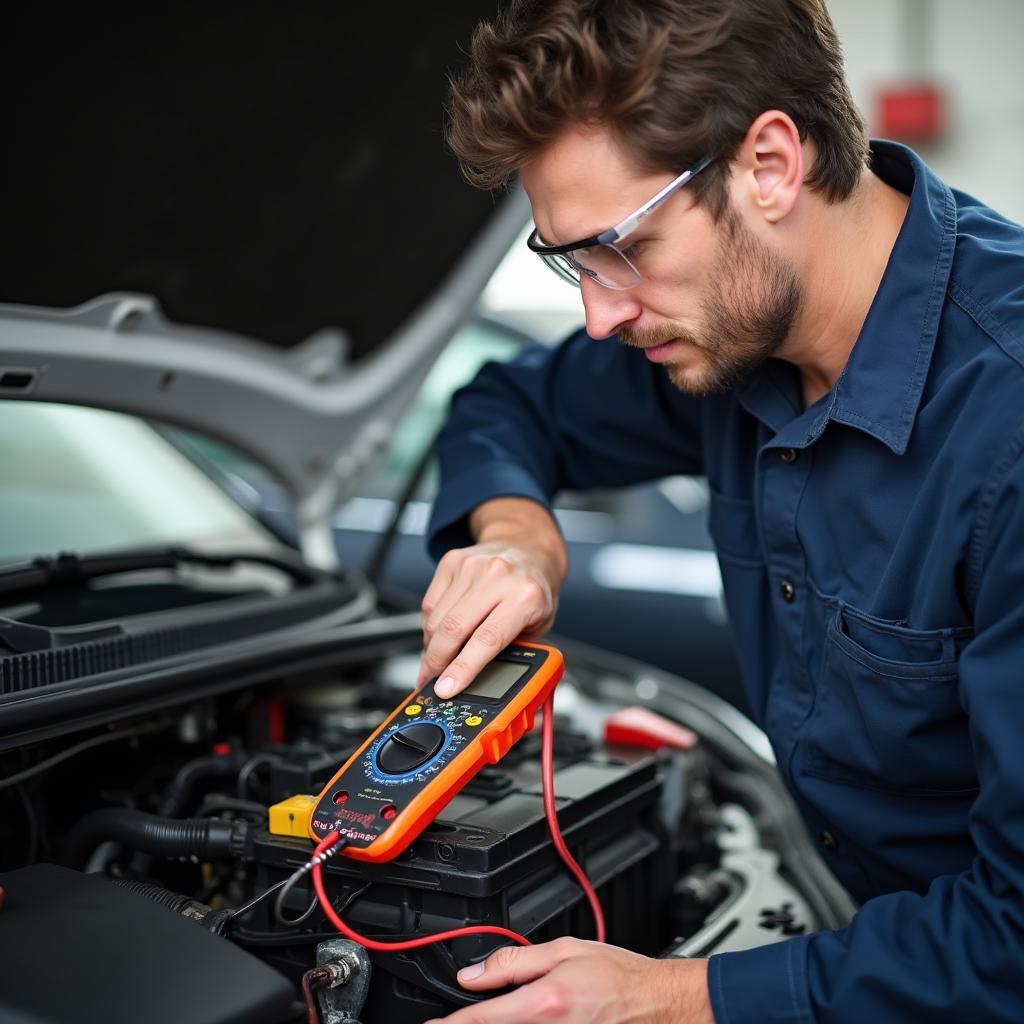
(250, 228)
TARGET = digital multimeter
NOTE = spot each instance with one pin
(394, 785)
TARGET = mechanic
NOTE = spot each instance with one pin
(835, 339)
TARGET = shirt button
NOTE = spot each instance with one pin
(788, 455)
(827, 840)
(787, 590)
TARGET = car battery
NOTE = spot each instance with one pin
(488, 859)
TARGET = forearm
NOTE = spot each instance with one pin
(526, 429)
(689, 997)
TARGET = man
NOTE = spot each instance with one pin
(836, 340)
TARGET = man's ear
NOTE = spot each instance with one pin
(770, 165)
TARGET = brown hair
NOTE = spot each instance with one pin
(676, 80)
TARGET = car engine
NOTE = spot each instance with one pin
(196, 813)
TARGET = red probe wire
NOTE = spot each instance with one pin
(548, 776)
(390, 947)
(547, 769)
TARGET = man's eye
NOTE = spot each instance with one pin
(633, 250)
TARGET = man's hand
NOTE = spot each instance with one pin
(485, 596)
(570, 981)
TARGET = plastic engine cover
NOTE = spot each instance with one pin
(76, 949)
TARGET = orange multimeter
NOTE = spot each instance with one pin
(394, 785)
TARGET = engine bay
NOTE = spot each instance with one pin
(197, 812)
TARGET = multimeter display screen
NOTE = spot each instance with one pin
(496, 680)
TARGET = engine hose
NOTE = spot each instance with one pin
(218, 767)
(205, 839)
(155, 893)
(212, 766)
(212, 920)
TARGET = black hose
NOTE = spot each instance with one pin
(206, 839)
(212, 766)
(212, 920)
(155, 893)
(177, 797)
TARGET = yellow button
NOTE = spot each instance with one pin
(474, 720)
(413, 709)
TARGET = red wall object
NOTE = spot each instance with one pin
(914, 112)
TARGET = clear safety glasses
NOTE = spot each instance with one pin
(602, 257)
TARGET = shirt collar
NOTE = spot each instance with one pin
(880, 387)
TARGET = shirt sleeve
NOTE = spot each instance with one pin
(955, 952)
(583, 415)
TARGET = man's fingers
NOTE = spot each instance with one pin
(476, 605)
(455, 613)
(519, 965)
(443, 576)
(491, 637)
(513, 1008)
(472, 624)
(516, 965)
(445, 590)
(452, 625)
(487, 640)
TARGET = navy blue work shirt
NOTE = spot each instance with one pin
(872, 552)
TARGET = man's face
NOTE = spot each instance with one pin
(714, 301)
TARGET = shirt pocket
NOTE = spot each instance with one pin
(733, 528)
(888, 713)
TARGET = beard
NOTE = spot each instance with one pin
(754, 298)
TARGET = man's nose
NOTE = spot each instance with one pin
(607, 310)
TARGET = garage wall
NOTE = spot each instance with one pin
(974, 50)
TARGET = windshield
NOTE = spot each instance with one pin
(86, 480)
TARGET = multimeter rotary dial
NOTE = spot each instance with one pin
(406, 750)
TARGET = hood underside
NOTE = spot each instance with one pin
(266, 170)
(242, 220)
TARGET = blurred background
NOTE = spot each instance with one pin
(139, 171)
(947, 77)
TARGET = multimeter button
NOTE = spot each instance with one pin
(474, 720)
(413, 709)
(406, 750)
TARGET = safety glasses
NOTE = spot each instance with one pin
(603, 257)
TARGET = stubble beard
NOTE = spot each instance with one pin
(745, 318)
